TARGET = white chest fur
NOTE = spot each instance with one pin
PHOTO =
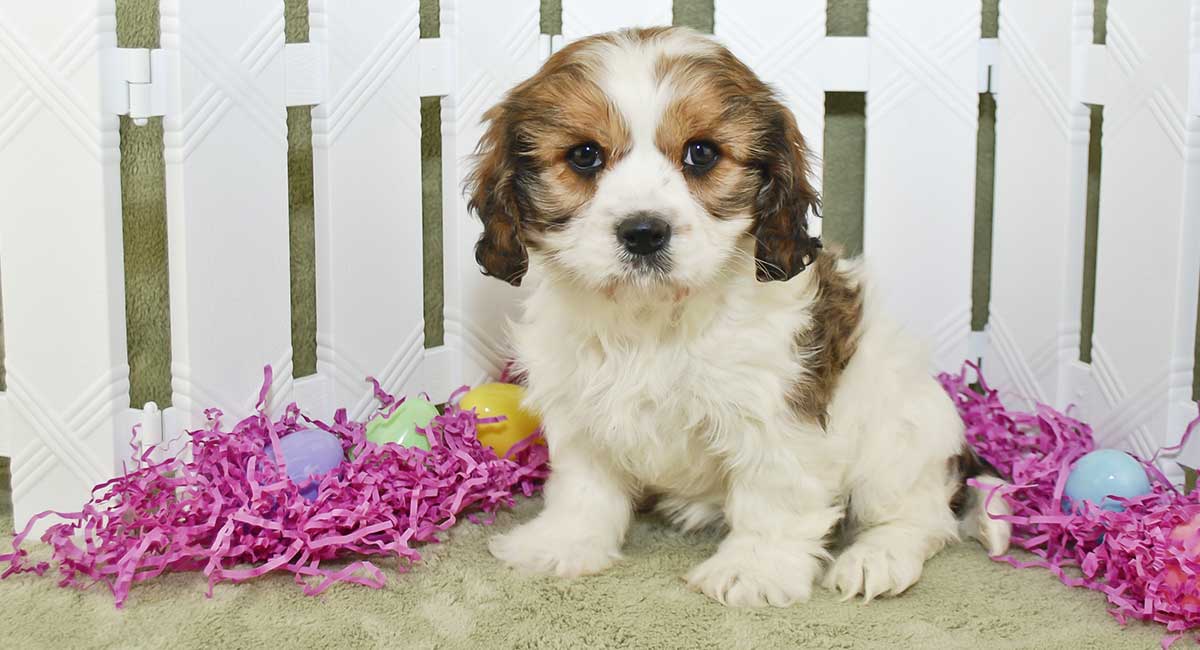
(667, 387)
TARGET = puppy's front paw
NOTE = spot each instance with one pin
(539, 548)
(873, 568)
(754, 575)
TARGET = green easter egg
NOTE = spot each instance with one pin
(401, 426)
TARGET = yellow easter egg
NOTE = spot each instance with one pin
(493, 400)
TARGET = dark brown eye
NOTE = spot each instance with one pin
(700, 155)
(585, 158)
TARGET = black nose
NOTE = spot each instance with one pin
(644, 234)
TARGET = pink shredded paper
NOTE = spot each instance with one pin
(233, 514)
(1130, 556)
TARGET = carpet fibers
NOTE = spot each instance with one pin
(460, 597)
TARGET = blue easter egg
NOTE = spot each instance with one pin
(1102, 473)
(306, 453)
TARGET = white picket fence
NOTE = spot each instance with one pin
(224, 75)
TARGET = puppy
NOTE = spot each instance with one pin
(688, 340)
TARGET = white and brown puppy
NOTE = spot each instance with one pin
(688, 340)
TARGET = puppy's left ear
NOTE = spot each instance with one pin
(783, 246)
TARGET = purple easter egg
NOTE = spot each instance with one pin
(308, 453)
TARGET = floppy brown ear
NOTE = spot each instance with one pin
(500, 251)
(783, 246)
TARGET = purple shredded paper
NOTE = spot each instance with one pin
(1145, 560)
(233, 514)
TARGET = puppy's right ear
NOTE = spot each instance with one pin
(500, 251)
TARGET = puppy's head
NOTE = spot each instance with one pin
(645, 157)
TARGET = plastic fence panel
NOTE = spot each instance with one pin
(367, 191)
(60, 253)
(498, 44)
(1038, 226)
(922, 122)
(1146, 263)
(225, 138)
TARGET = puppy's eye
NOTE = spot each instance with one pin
(700, 155)
(585, 157)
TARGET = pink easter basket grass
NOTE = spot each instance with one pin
(1128, 556)
(233, 515)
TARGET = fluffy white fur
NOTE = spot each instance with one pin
(678, 386)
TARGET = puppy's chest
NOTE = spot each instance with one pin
(655, 420)
(666, 407)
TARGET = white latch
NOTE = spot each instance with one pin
(142, 93)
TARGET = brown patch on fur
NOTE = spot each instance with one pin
(830, 341)
(783, 246)
(763, 166)
(708, 95)
(645, 504)
(966, 465)
(718, 98)
(521, 184)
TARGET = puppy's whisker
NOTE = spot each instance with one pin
(772, 269)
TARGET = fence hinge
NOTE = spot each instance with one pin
(989, 59)
(437, 66)
(1094, 75)
(549, 44)
(843, 63)
(304, 73)
(138, 83)
(978, 346)
(151, 433)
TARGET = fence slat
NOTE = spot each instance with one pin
(497, 46)
(225, 137)
(60, 253)
(585, 17)
(922, 122)
(1041, 178)
(1185, 336)
(1146, 247)
(367, 196)
(783, 44)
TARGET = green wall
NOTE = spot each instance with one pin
(145, 218)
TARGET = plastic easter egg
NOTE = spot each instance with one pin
(401, 426)
(494, 400)
(307, 453)
(1174, 576)
(1184, 533)
(1102, 473)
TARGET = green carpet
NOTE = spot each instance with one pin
(460, 597)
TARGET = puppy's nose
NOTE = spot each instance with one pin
(644, 233)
